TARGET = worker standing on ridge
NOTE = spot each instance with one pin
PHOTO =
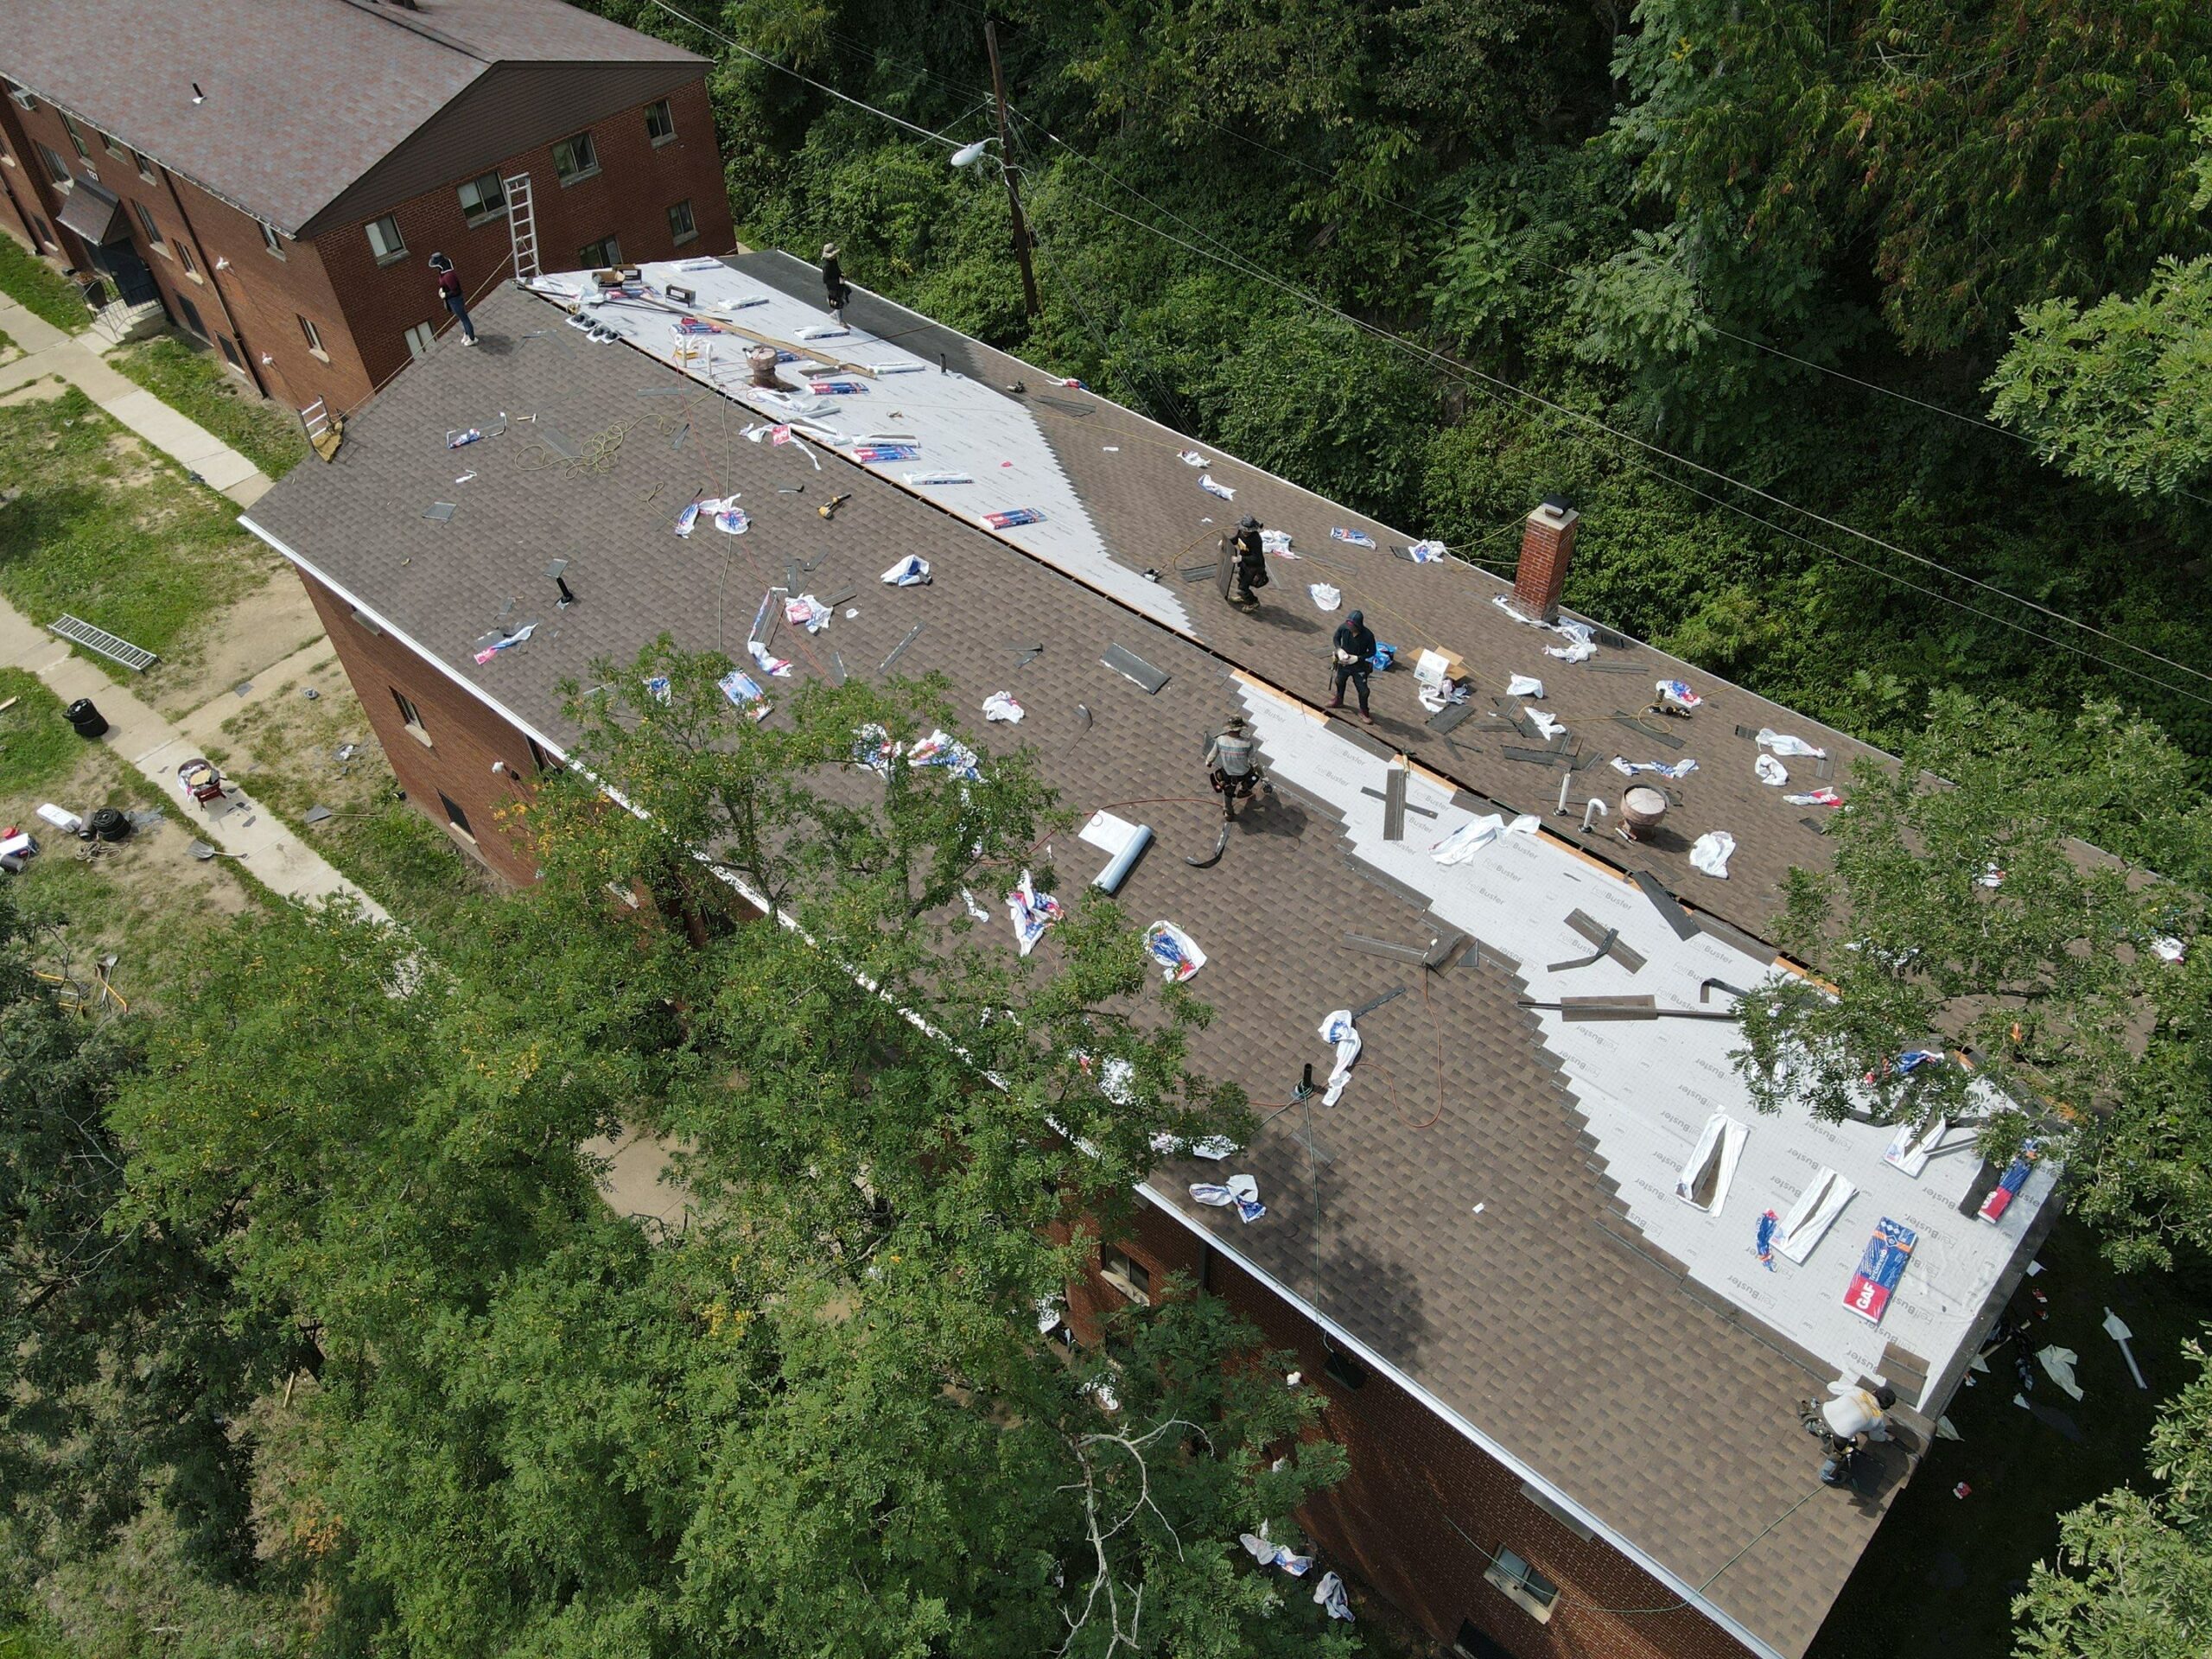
(455, 301)
(833, 281)
(1243, 563)
(1355, 654)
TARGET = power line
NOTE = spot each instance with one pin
(1469, 375)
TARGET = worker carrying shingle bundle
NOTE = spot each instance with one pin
(1243, 563)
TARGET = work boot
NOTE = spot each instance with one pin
(1337, 703)
(1369, 718)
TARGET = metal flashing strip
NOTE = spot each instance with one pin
(1131, 666)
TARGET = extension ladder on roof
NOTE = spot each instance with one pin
(522, 225)
(77, 632)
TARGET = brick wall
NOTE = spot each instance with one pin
(627, 199)
(464, 738)
(1413, 1477)
(361, 310)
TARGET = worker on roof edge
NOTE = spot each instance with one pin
(833, 281)
(1244, 559)
(1355, 659)
(450, 295)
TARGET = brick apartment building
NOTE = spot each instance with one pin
(1566, 1386)
(278, 173)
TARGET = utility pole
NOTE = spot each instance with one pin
(1006, 172)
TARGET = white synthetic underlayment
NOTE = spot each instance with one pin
(960, 425)
(1647, 1088)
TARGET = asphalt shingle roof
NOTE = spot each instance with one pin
(1587, 1359)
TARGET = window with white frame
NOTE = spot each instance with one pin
(56, 168)
(313, 336)
(421, 338)
(660, 121)
(1527, 1588)
(384, 240)
(482, 200)
(681, 225)
(145, 163)
(184, 258)
(574, 158)
(1126, 1274)
(269, 239)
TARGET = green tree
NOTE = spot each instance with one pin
(2134, 1577)
(123, 1361)
(2120, 392)
(1961, 911)
(821, 1417)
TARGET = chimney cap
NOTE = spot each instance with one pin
(1556, 506)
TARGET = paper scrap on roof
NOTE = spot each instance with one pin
(688, 520)
(1276, 542)
(1809, 1219)
(939, 748)
(1703, 1183)
(1356, 537)
(1711, 852)
(1001, 706)
(1781, 743)
(731, 520)
(1818, 797)
(1207, 484)
(1471, 837)
(1524, 685)
(1549, 724)
(1176, 951)
(1327, 597)
(805, 611)
(1428, 552)
(1680, 768)
(1771, 771)
(1033, 912)
(1678, 692)
(1192, 458)
(779, 667)
(908, 572)
(511, 640)
(740, 687)
(1339, 1029)
(1913, 1144)
(1581, 644)
(1243, 1190)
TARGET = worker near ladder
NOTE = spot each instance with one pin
(1355, 659)
(834, 285)
(449, 292)
(1243, 563)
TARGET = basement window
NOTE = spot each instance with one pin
(384, 240)
(457, 820)
(1523, 1585)
(1126, 1274)
(681, 225)
(575, 159)
(482, 200)
(660, 122)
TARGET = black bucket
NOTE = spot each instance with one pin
(88, 721)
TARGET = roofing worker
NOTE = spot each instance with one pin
(1355, 661)
(455, 301)
(1232, 766)
(833, 281)
(1245, 561)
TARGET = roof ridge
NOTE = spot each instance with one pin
(407, 18)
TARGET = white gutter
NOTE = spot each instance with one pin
(1692, 1597)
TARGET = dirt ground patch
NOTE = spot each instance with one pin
(260, 631)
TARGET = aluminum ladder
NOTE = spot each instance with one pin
(522, 225)
(79, 631)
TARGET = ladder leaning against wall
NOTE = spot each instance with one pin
(522, 225)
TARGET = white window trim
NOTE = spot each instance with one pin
(381, 258)
(1120, 1281)
(1510, 1585)
(591, 172)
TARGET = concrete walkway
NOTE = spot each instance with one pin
(277, 858)
(46, 351)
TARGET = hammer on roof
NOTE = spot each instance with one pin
(829, 509)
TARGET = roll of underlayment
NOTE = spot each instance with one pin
(1117, 870)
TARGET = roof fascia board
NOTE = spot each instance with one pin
(1692, 1599)
(410, 169)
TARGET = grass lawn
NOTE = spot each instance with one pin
(37, 747)
(194, 384)
(1940, 1574)
(41, 290)
(99, 526)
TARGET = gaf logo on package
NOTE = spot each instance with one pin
(1880, 1269)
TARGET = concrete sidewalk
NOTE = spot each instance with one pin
(46, 351)
(150, 744)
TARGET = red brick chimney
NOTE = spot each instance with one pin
(1546, 549)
